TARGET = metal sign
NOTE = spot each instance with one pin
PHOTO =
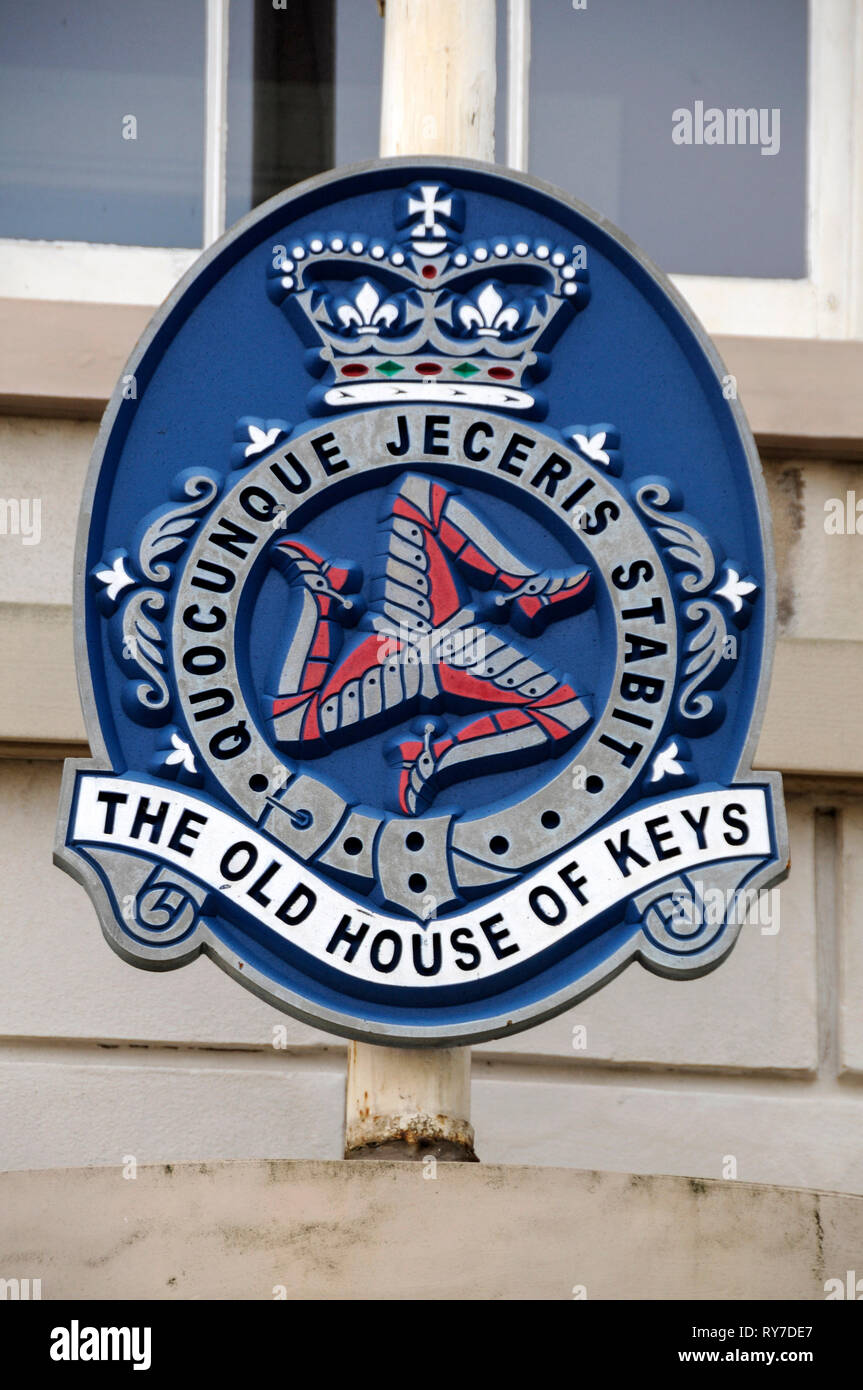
(425, 615)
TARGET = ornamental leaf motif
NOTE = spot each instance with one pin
(368, 310)
(487, 313)
(704, 651)
(169, 531)
(142, 644)
(684, 542)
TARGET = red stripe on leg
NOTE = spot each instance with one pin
(529, 606)
(480, 728)
(473, 557)
(443, 594)
(552, 726)
(286, 702)
(438, 499)
(314, 675)
(366, 657)
(558, 696)
(571, 592)
(411, 513)
(457, 682)
(303, 549)
(451, 538)
(512, 718)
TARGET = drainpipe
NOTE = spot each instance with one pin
(438, 98)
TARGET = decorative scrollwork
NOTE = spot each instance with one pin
(683, 541)
(169, 531)
(674, 919)
(704, 651)
(142, 644)
(166, 908)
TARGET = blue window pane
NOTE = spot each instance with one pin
(73, 165)
(304, 92)
(605, 81)
(359, 69)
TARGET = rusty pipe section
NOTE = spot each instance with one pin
(409, 1104)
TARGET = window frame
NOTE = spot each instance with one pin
(827, 303)
(106, 273)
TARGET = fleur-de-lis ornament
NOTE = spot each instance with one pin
(368, 311)
(488, 315)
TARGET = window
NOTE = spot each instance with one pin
(759, 243)
(303, 93)
(604, 84)
(102, 120)
(103, 109)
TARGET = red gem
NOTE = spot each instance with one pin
(428, 368)
(429, 271)
(354, 369)
(501, 373)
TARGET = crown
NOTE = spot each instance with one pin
(428, 316)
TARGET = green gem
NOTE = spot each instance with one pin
(390, 368)
(466, 369)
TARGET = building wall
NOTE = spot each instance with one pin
(755, 1071)
(318, 1230)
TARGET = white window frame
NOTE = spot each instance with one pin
(101, 273)
(827, 303)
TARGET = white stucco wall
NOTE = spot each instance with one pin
(316, 1230)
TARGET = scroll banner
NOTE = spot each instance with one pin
(248, 871)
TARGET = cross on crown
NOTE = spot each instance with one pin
(429, 236)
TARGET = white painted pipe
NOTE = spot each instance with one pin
(438, 98)
(439, 78)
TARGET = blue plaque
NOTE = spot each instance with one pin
(425, 616)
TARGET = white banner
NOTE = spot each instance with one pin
(249, 869)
